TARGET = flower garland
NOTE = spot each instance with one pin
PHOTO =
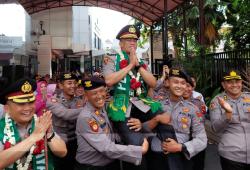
(9, 140)
(135, 83)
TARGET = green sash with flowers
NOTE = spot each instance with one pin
(38, 160)
(118, 106)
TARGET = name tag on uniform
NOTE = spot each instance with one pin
(140, 105)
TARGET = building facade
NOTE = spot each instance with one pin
(65, 39)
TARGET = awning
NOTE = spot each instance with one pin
(147, 11)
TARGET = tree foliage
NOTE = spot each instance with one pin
(237, 14)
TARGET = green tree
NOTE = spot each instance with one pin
(237, 14)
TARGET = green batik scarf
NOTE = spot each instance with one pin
(38, 161)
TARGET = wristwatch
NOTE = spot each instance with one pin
(51, 137)
(137, 67)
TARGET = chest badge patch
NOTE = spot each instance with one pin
(93, 125)
(184, 122)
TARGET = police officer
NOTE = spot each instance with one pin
(180, 148)
(95, 135)
(129, 76)
(65, 109)
(22, 133)
(199, 159)
(230, 117)
(162, 89)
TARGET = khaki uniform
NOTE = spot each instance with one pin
(96, 140)
(235, 134)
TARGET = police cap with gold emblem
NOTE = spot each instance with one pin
(231, 75)
(68, 76)
(129, 32)
(93, 83)
(21, 91)
(176, 72)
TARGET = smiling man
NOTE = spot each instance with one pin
(22, 133)
(230, 117)
(95, 136)
(130, 79)
(190, 137)
(65, 110)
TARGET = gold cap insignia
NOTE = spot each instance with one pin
(79, 82)
(67, 76)
(233, 73)
(132, 29)
(88, 84)
(176, 72)
(26, 87)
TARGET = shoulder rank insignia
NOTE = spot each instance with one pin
(53, 100)
(212, 106)
(246, 100)
(225, 97)
(93, 125)
(106, 59)
(199, 97)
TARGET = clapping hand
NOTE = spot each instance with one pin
(43, 124)
(226, 106)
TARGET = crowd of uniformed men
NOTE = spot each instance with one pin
(124, 119)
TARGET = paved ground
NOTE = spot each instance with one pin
(212, 161)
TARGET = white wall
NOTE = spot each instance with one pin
(81, 29)
(57, 23)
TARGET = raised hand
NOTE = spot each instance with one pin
(165, 71)
(226, 106)
(42, 124)
(132, 57)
